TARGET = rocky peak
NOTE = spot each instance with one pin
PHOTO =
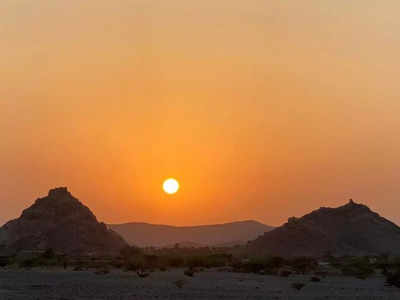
(59, 192)
(58, 204)
(350, 229)
(352, 204)
(62, 222)
(351, 208)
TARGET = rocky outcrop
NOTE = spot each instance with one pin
(61, 222)
(352, 229)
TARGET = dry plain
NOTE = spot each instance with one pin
(210, 284)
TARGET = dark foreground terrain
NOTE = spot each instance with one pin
(173, 284)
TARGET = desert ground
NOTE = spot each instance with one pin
(173, 284)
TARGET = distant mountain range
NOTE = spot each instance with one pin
(61, 222)
(229, 234)
(351, 229)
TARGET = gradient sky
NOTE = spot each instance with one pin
(261, 109)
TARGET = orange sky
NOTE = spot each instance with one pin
(261, 109)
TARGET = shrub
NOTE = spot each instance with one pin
(117, 263)
(393, 278)
(303, 264)
(49, 254)
(196, 261)
(175, 261)
(133, 266)
(359, 267)
(266, 265)
(102, 271)
(150, 261)
(315, 279)
(285, 273)
(298, 285)
(142, 274)
(218, 260)
(4, 261)
(276, 262)
(130, 252)
(179, 283)
(189, 272)
(28, 263)
(78, 268)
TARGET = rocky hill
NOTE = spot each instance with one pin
(352, 229)
(143, 234)
(59, 221)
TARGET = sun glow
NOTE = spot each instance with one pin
(171, 186)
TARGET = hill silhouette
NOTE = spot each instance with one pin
(61, 222)
(351, 229)
(229, 234)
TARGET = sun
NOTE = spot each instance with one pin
(171, 186)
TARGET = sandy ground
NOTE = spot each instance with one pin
(211, 284)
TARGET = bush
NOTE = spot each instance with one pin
(359, 267)
(150, 261)
(49, 254)
(393, 278)
(315, 279)
(298, 285)
(175, 261)
(78, 268)
(285, 273)
(303, 264)
(28, 263)
(102, 271)
(196, 261)
(130, 252)
(189, 272)
(218, 260)
(4, 261)
(179, 283)
(117, 264)
(266, 265)
(134, 266)
(45, 259)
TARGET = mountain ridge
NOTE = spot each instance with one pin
(61, 222)
(144, 234)
(188, 226)
(350, 229)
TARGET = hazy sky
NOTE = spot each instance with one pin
(261, 109)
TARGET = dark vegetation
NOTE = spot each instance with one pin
(298, 285)
(193, 260)
(360, 267)
(315, 279)
(163, 259)
(276, 265)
